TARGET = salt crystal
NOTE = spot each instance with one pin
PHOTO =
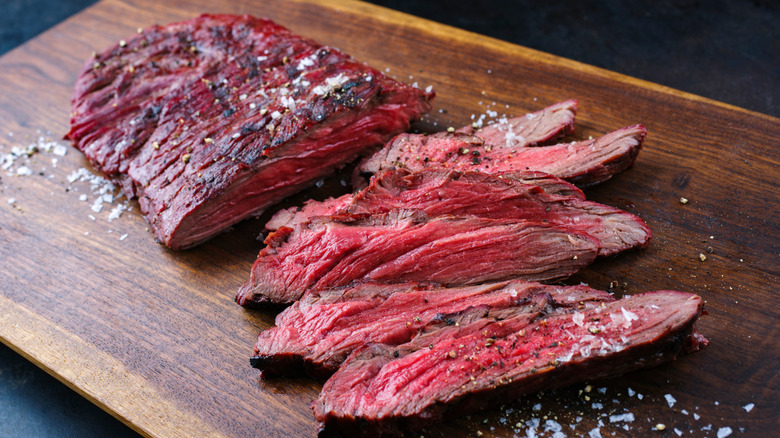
(631, 392)
(11, 200)
(678, 431)
(749, 407)
(723, 432)
(538, 406)
(92, 217)
(123, 237)
(60, 150)
(83, 198)
(684, 412)
(696, 416)
(594, 433)
(552, 426)
(24, 171)
(429, 88)
(627, 417)
(597, 406)
(629, 316)
(116, 212)
(670, 400)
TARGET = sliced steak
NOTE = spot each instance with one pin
(318, 332)
(385, 390)
(583, 163)
(404, 246)
(531, 129)
(438, 192)
(212, 120)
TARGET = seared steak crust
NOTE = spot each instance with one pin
(211, 120)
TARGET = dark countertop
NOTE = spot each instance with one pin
(723, 50)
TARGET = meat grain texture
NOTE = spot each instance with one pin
(388, 390)
(403, 245)
(214, 119)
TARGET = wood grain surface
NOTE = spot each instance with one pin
(153, 336)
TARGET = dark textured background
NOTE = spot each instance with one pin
(724, 50)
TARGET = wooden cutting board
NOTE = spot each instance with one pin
(153, 336)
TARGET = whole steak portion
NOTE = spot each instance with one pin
(386, 390)
(212, 120)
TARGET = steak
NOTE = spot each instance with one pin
(403, 245)
(438, 192)
(583, 163)
(385, 390)
(318, 332)
(531, 129)
(212, 120)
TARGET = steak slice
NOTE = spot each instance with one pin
(531, 129)
(294, 215)
(318, 332)
(583, 163)
(211, 120)
(385, 390)
(404, 246)
(438, 192)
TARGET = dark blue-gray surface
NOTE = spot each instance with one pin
(724, 50)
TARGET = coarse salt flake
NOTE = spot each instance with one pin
(59, 150)
(11, 200)
(669, 399)
(594, 433)
(24, 171)
(627, 417)
(723, 432)
(123, 237)
(629, 316)
(749, 407)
